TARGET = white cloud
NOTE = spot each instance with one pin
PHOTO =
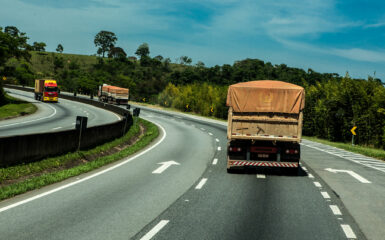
(375, 25)
(361, 54)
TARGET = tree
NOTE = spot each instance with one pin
(117, 52)
(11, 30)
(143, 50)
(13, 43)
(185, 60)
(59, 48)
(105, 41)
(58, 63)
(39, 46)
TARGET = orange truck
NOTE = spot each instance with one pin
(264, 124)
(112, 94)
(46, 90)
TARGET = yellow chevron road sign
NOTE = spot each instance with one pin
(352, 130)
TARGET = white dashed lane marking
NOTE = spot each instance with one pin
(155, 230)
(217, 139)
(219, 148)
(335, 209)
(215, 161)
(325, 195)
(317, 184)
(310, 175)
(201, 183)
(261, 176)
(348, 231)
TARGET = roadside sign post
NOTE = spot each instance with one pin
(353, 134)
(81, 124)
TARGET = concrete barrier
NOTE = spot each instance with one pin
(33, 147)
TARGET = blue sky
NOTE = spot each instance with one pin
(326, 35)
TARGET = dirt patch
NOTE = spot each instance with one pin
(82, 160)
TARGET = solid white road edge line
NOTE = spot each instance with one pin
(348, 231)
(215, 161)
(335, 209)
(201, 183)
(86, 178)
(155, 230)
(56, 128)
(54, 112)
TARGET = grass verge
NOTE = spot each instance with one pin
(16, 108)
(367, 151)
(39, 174)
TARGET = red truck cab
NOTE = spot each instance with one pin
(46, 90)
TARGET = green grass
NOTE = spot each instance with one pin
(367, 151)
(43, 62)
(16, 108)
(39, 181)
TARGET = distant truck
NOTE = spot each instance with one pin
(46, 90)
(112, 94)
(264, 124)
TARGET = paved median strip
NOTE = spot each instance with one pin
(155, 230)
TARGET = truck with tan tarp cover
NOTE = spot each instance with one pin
(113, 94)
(264, 124)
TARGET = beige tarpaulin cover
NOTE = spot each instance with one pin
(266, 96)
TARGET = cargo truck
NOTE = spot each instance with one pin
(112, 94)
(264, 125)
(46, 90)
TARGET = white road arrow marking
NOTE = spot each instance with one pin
(164, 166)
(353, 174)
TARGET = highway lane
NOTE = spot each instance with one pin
(197, 198)
(53, 116)
(267, 204)
(116, 204)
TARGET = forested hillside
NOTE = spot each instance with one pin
(334, 104)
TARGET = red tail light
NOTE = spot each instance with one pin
(235, 149)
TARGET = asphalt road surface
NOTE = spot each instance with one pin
(53, 116)
(178, 188)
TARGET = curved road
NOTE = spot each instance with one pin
(53, 116)
(194, 198)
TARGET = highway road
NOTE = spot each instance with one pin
(53, 116)
(178, 188)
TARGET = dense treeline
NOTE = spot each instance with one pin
(334, 104)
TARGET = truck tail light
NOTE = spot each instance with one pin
(235, 149)
(291, 151)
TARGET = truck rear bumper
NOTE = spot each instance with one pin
(50, 99)
(244, 163)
